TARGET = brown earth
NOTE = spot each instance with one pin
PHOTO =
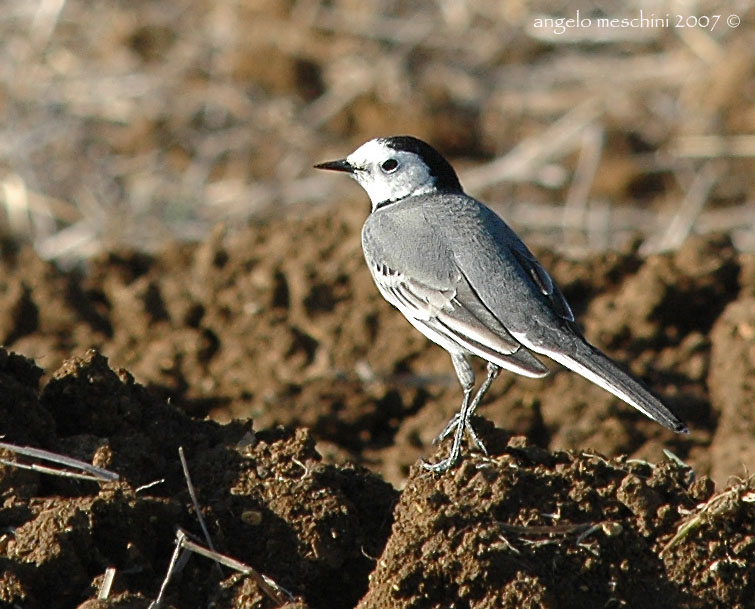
(280, 323)
(302, 401)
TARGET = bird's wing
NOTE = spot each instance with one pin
(456, 314)
(507, 277)
(543, 280)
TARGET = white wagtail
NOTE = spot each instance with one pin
(463, 278)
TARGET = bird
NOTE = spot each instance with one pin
(463, 278)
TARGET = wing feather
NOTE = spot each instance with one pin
(543, 281)
(459, 316)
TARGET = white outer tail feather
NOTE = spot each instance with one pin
(661, 414)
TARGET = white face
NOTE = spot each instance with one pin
(387, 174)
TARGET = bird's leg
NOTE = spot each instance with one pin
(493, 371)
(465, 373)
(453, 422)
(458, 423)
(461, 422)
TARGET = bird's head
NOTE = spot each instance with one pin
(394, 168)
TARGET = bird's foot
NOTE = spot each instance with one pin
(440, 467)
(469, 428)
(460, 427)
(452, 424)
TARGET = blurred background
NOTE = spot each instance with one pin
(137, 122)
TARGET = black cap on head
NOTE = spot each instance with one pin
(440, 168)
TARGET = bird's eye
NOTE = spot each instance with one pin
(389, 166)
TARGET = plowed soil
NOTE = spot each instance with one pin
(303, 403)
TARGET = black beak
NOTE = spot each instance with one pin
(342, 165)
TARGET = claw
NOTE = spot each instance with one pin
(475, 438)
(438, 468)
(450, 427)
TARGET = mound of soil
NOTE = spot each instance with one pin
(303, 401)
(525, 527)
(533, 528)
(266, 496)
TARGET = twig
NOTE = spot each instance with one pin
(716, 505)
(149, 485)
(675, 458)
(276, 593)
(171, 569)
(107, 583)
(45, 19)
(398, 31)
(97, 474)
(195, 501)
(702, 44)
(14, 198)
(547, 529)
(78, 239)
(689, 209)
(590, 153)
(541, 223)
(714, 146)
(523, 161)
(598, 223)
